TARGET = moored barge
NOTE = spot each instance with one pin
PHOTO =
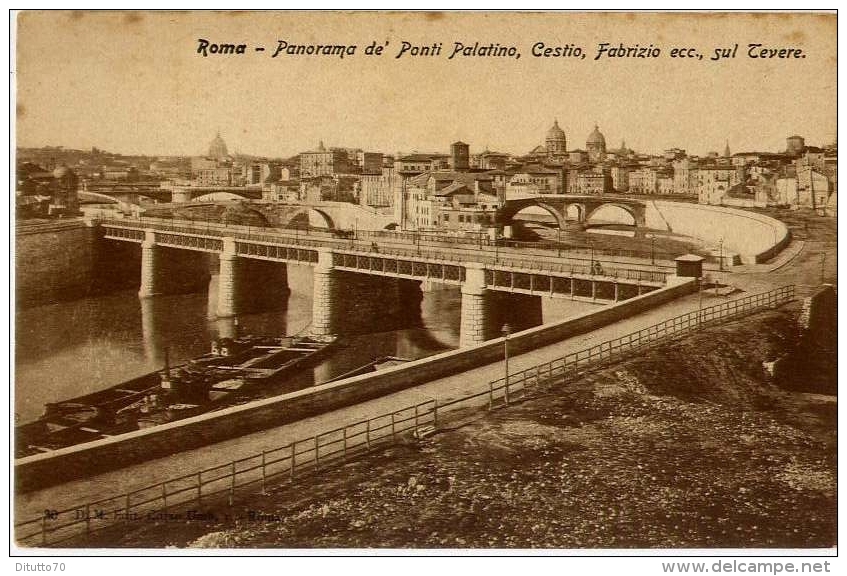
(235, 370)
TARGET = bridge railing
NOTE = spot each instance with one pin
(355, 245)
(254, 473)
(480, 242)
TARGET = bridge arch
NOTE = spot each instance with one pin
(624, 207)
(575, 211)
(218, 197)
(311, 214)
(96, 197)
(513, 209)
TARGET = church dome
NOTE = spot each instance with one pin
(596, 137)
(217, 149)
(555, 133)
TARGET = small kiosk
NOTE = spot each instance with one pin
(689, 266)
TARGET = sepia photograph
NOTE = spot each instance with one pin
(470, 282)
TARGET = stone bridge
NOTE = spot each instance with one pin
(130, 193)
(562, 207)
(483, 275)
(330, 215)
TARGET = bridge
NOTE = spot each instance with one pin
(578, 208)
(132, 192)
(328, 214)
(339, 260)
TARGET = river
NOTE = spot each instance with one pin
(66, 349)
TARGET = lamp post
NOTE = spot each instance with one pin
(506, 330)
(720, 256)
(591, 247)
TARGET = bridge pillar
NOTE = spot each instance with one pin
(323, 292)
(150, 274)
(227, 280)
(474, 325)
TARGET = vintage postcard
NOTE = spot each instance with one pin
(459, 282)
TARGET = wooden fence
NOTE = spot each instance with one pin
(285, 463)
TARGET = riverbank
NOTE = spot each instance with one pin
(687, 445)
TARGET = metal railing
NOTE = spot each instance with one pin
(331, 447)
(189, 491)
(612, 349)
(478, 242)
(353, 245)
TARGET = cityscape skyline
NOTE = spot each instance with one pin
(612, 144)
(139, 87)
(388, 280)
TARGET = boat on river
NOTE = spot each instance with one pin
(235, 370)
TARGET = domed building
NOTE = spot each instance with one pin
(596, 146)
(556, 142)
(217, 149)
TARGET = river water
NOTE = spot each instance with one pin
(66, 349)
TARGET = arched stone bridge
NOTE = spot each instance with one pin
(327, 214)
(586, 206)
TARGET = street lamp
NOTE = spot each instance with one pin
(720, 255)
(506, 330)
(591, 247)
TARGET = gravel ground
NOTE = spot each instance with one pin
(687, 445)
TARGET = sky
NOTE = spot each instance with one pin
(134, 83)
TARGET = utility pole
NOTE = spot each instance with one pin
(506, 330)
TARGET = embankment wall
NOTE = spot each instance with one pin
(755, 237)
